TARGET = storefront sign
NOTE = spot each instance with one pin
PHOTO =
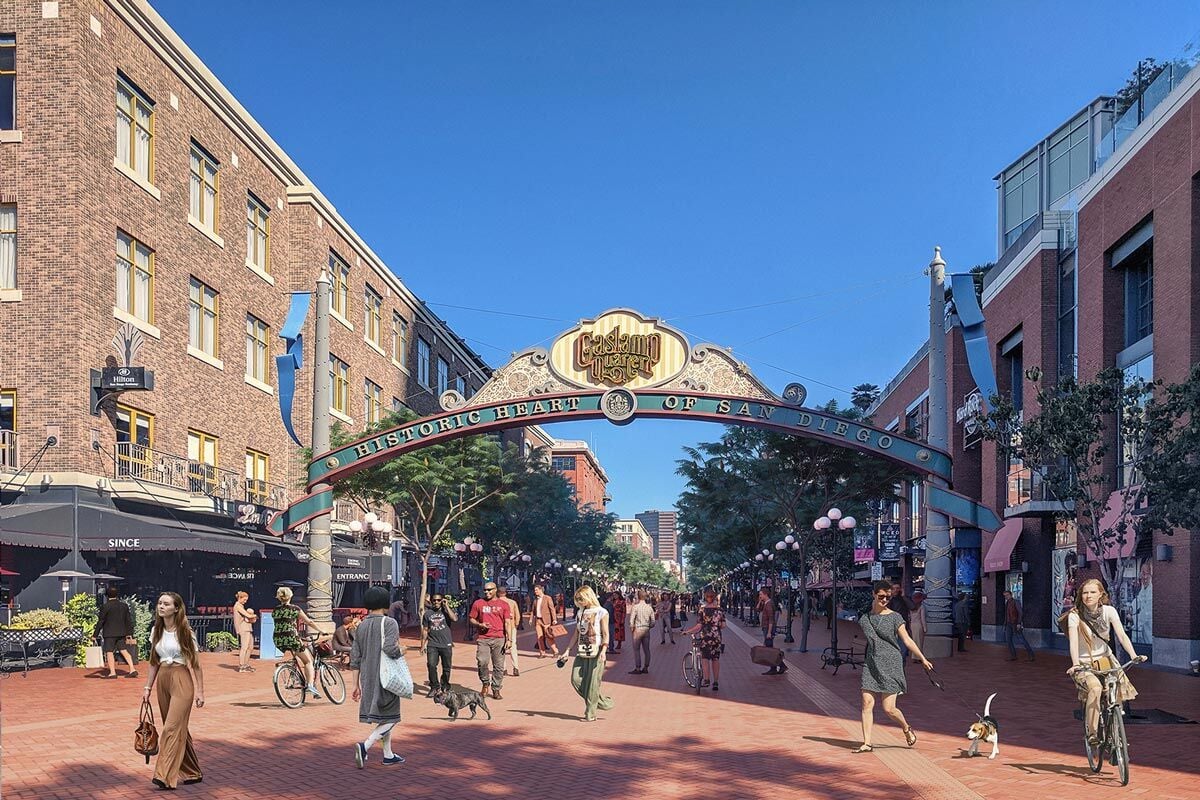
(124, 544)
(877, 571)
(966, 414)
(619, 348)
(236, 575)
(889, 541)
(251, 516)
(343, 576)
(122, 379)
(864, 549)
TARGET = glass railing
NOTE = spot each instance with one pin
(1172, 75)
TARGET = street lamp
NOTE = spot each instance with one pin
(831, 518)
(375, 530)
(788, 546)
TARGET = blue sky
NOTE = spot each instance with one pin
(553, 160)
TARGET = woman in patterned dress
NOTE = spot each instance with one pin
(287, 616)
(618, 623)
(710, 621)
(883, 668)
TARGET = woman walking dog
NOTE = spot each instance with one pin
(883, 666)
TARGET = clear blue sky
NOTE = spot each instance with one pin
(557, 159)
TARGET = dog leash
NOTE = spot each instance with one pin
(941, 685)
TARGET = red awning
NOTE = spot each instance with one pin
(1000, 551)
(1112, 513)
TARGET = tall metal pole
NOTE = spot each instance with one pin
(320, 566)
(938, 575)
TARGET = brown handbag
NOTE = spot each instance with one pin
(558, 629)
(145, 736)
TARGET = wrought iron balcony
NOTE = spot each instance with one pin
(141, 463)
(10, 454)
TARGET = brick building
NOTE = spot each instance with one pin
(579, 465)
(138, 197)
(633, 533)
(1099, 226)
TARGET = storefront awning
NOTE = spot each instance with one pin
(1000, 551)
(108, 530)
(37, 525)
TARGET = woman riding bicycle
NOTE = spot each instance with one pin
(710, 620)
(1090, 624)
(287, 639)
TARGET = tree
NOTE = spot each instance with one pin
(433, 490)
(1070, 441)
(864, 396)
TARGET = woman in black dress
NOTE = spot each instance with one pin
(883, 668)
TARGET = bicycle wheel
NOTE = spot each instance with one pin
(1094, 756)
(332, 684)
(691, 670)
(1119, 745)
(289, 685)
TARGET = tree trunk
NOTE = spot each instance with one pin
(422, 595)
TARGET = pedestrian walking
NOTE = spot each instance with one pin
(766, 616)
(437, 644)
(1013, 629)
(243, 625)
(710, 621)
(620, 610)
(641, 620)
(545, 617)
(287, 617)
(962, 621)
(900, 605)
(175, 673)
(609, 607)
(377, 635)
(666, 615)
(116, 630)
(1091, 622)
(492, 620)
(591, 636)
(883, 666)
(398, 609)
(515, 611)
(916, 619)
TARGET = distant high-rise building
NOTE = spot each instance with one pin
(661, 525)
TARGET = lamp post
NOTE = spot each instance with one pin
(574, 571)
(745, 588)
(373, 531)
(469, 551)
(833, 517)
(789, 547)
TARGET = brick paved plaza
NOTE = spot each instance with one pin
(68, 735)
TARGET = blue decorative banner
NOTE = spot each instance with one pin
(286, 365)
(970, 317)
(963, 508)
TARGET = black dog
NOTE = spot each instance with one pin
(457, 699)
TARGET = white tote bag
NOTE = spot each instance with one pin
(394, 674)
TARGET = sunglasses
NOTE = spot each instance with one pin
(489, 588)
(438, 599)
(884, 596)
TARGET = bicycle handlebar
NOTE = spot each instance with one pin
(1122, 667)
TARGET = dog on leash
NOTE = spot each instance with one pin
(457, 699)
(985, 730)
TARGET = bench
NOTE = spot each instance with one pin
(37, 643)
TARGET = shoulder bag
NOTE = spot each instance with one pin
(558, 629)
(145, 736)
(589, 642)
(394, 675)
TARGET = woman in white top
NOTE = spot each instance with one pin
(176, 668)
(591, 633)
(1090, 624)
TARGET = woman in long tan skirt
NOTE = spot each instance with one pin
(176, 669)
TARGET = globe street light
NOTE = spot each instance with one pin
(834, 516)
(789, 547)
(371, 533)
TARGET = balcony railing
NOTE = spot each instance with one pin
(1029, 494)
(10, 454)
(141, 463)
(1173, 75)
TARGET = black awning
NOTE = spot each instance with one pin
(106, 530)
(37, 525)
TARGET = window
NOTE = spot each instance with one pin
(422, 361)
(372, 401)
(135, 443)
(443, 375)
(258, 471)
(339, 273)
(1129, 448)
(8, 422)
(258, 363)
(258, 234)
(914, 511)
(372, 314)
(1070, 157)
(460, 385)
(135, 277)
(8, 81)
(1139, 294)
(399, 337)
(339, 385)
(398, 405)
(202, 317)
(135, 130)
(1066, 317)
(1021, 201)
(202, 462)
(203, 189)
(563, 463)
(8, 246)
(1020, 475)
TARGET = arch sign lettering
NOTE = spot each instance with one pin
(620, 366)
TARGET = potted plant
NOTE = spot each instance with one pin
(220, 642)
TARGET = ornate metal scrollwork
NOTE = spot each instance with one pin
(795, 394)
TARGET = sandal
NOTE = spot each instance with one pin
(866, 748)
(909, 736)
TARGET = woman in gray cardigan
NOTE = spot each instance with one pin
(376, 705)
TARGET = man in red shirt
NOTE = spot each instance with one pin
(493, 621)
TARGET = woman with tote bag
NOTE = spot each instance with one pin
(374, 655)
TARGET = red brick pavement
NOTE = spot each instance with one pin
(68, 736)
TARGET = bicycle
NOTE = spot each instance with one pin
(693, 670)
(291, 687)
(1112, 744)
